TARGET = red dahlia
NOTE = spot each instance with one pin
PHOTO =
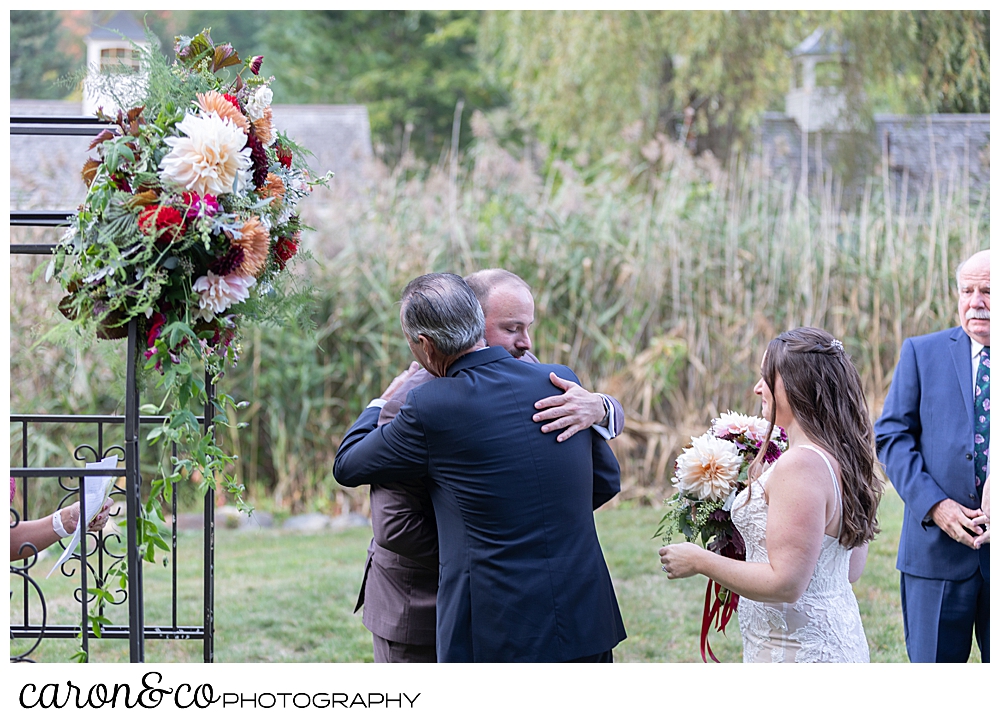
(284, 249)
(164, 222)
(284, 156)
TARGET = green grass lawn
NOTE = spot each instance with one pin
(284, 597)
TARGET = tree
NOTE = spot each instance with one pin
(409, 68)
(36, 61)
(579, 78)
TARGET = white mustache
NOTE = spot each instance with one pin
(977, 314)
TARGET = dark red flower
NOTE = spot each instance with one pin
(156, 323)
(285, 249)
(228, 262)
(258, 157)
(164, 222)
(256, 63)
(284, 155)
(232, 99)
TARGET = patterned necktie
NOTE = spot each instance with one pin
(982, 416)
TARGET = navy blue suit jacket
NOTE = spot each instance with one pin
(925, 441)
(522, 576)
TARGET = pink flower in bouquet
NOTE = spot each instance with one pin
(200, 206)
(708, 469)
(218, 293)
(737, 424)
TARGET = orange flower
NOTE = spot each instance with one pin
(274, 187)
(255, 243)
(215, 102)
(263, 128)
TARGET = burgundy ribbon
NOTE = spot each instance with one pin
(717, 614)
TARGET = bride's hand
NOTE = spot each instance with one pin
(680, 560)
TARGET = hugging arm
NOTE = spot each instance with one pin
(576, 409)
(370, 454)
(403, 521)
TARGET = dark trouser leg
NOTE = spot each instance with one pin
(939, 617)
(388, 651)
(606, 657)
(983, 622)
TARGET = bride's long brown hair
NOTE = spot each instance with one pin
(825, 395)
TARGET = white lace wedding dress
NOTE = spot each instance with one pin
(822, 626)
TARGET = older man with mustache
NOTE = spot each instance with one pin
(934, 438)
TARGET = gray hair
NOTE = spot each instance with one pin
(443, 308)
(484, 282)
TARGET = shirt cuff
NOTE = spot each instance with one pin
(377, 403)
(606, 430)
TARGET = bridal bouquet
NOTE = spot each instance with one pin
(708, 474)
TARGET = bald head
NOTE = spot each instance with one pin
(508, 307)
(973, 277)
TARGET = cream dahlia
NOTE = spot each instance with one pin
(708, 469)
(209, 158)
(218, 293)
(255, 242)
(215, 102)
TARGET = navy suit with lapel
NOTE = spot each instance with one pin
(522, 575)
(925, 440)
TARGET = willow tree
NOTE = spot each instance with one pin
(579, 78)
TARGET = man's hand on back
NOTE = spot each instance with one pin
(574, 410)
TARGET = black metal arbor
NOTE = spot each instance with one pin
(107, 433)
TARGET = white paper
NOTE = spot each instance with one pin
(95, 491)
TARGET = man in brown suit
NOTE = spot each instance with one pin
(399, 590)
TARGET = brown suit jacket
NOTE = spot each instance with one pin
(399, 589)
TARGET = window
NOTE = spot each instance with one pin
(116, 57)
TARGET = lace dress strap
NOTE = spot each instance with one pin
(836, 484)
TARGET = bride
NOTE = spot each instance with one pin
(807, 519)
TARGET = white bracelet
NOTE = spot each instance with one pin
(57, 524)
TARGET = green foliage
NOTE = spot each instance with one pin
(593, 80)
(36, 61)
(409, 68)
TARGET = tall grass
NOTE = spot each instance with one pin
(658, 278)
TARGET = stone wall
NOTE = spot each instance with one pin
(952, 148)
(45, 170)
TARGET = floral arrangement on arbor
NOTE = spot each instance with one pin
(187, 228)
(708, 474)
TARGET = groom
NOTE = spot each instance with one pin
(522, 575)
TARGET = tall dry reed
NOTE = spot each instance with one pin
(658, 279)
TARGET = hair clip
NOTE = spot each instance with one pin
(837, 344)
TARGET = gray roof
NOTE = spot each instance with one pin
(820, 42)
(121, 23)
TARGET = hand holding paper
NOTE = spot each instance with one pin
(95, 492)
